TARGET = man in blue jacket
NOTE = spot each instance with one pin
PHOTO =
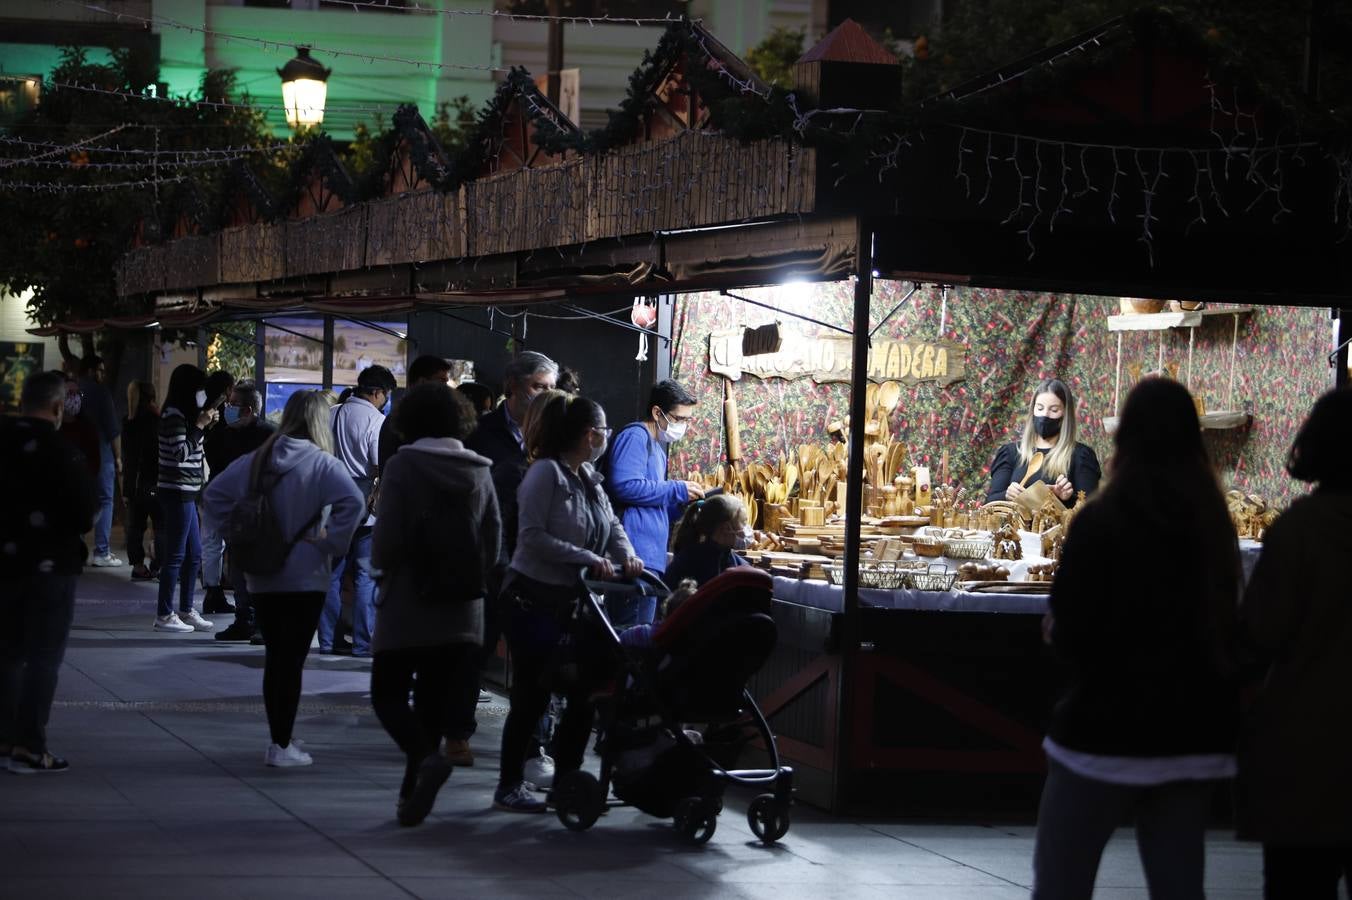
(636, 478)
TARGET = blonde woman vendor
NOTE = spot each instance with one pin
(1047, 452)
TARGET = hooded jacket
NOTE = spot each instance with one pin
(311, 482)
(440, 471)
(1295, 780)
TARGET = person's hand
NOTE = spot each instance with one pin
(602, 569)
(1063, 488)
(695, 490)
(206, 417)
(1015, 489)
(633, 567)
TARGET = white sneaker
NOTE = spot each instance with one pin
(172, 623)
(194, 618)
(287, 757)
(539, 771)
(106, 561)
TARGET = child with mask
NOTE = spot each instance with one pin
(708, 538)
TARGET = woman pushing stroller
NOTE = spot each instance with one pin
(565, 522)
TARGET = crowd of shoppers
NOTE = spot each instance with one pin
(477, 523)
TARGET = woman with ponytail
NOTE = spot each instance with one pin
(564, 524)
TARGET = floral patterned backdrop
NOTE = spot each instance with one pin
(1013, 340)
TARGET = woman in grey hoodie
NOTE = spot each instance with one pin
(318, 505)
(437, 536)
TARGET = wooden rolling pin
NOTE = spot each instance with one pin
(731, 424)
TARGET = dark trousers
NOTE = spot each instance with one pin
(1308, 873)
(435, 675)
(182, 551)
(35, 617)
(1078, 815)
(288, 622)
(243, 602)
(141, 510)
(532, 636)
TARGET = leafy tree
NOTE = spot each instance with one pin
(1267, 38)
(773, 58)
(453, 123)
(64, 241)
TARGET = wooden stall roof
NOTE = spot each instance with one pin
(1132, 161)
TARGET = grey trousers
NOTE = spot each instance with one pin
(1078, 815)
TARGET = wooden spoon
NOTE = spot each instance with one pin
(889, 394)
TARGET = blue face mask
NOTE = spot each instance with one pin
(231, 415)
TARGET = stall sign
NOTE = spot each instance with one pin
(827, 358)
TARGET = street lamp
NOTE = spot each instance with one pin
(304, 88)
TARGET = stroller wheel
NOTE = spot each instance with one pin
(578, 800)
(696, 820)
(768, 818)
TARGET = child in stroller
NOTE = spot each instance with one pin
(678, 713)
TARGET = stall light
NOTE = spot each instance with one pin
(304, 90)
(155, 324)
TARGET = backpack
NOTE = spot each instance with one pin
(253, 531)
(443, 555)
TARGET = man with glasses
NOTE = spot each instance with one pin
(244, 431)
(636, 479)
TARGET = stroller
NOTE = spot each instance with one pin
(696, 670)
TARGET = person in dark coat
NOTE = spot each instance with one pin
(427, 642)
(1295, 756)
(51, 499)
(243, 432)
(1149, 721)
(140, 473)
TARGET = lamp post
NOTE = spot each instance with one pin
(304, 89)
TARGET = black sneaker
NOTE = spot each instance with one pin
(215, 602)
(236, 633)
(257, 639)
(21, 762)
(432, 774)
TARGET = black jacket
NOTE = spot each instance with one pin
(494, 439)
(140, 454)
(50, 500)
(1144, 640)
(1084, 474)
(225, 443)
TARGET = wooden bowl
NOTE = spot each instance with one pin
(1146, 307)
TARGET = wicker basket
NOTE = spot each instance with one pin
(968, 549)
(885, 575)
(938, 578)
(928, 548)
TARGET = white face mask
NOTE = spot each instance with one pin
(673, 432)
(743, 538)
(201, 398)
(598, 452)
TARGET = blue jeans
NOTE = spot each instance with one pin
(35, 616)
(182, 550)
(103, 523)
(363, 601)
(213, 550)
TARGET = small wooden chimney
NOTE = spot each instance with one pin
(849, 69)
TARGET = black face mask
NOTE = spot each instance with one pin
(1046, 427)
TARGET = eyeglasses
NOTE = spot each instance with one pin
(674, 418)
(603, 429)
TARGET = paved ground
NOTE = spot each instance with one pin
(168, 797)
